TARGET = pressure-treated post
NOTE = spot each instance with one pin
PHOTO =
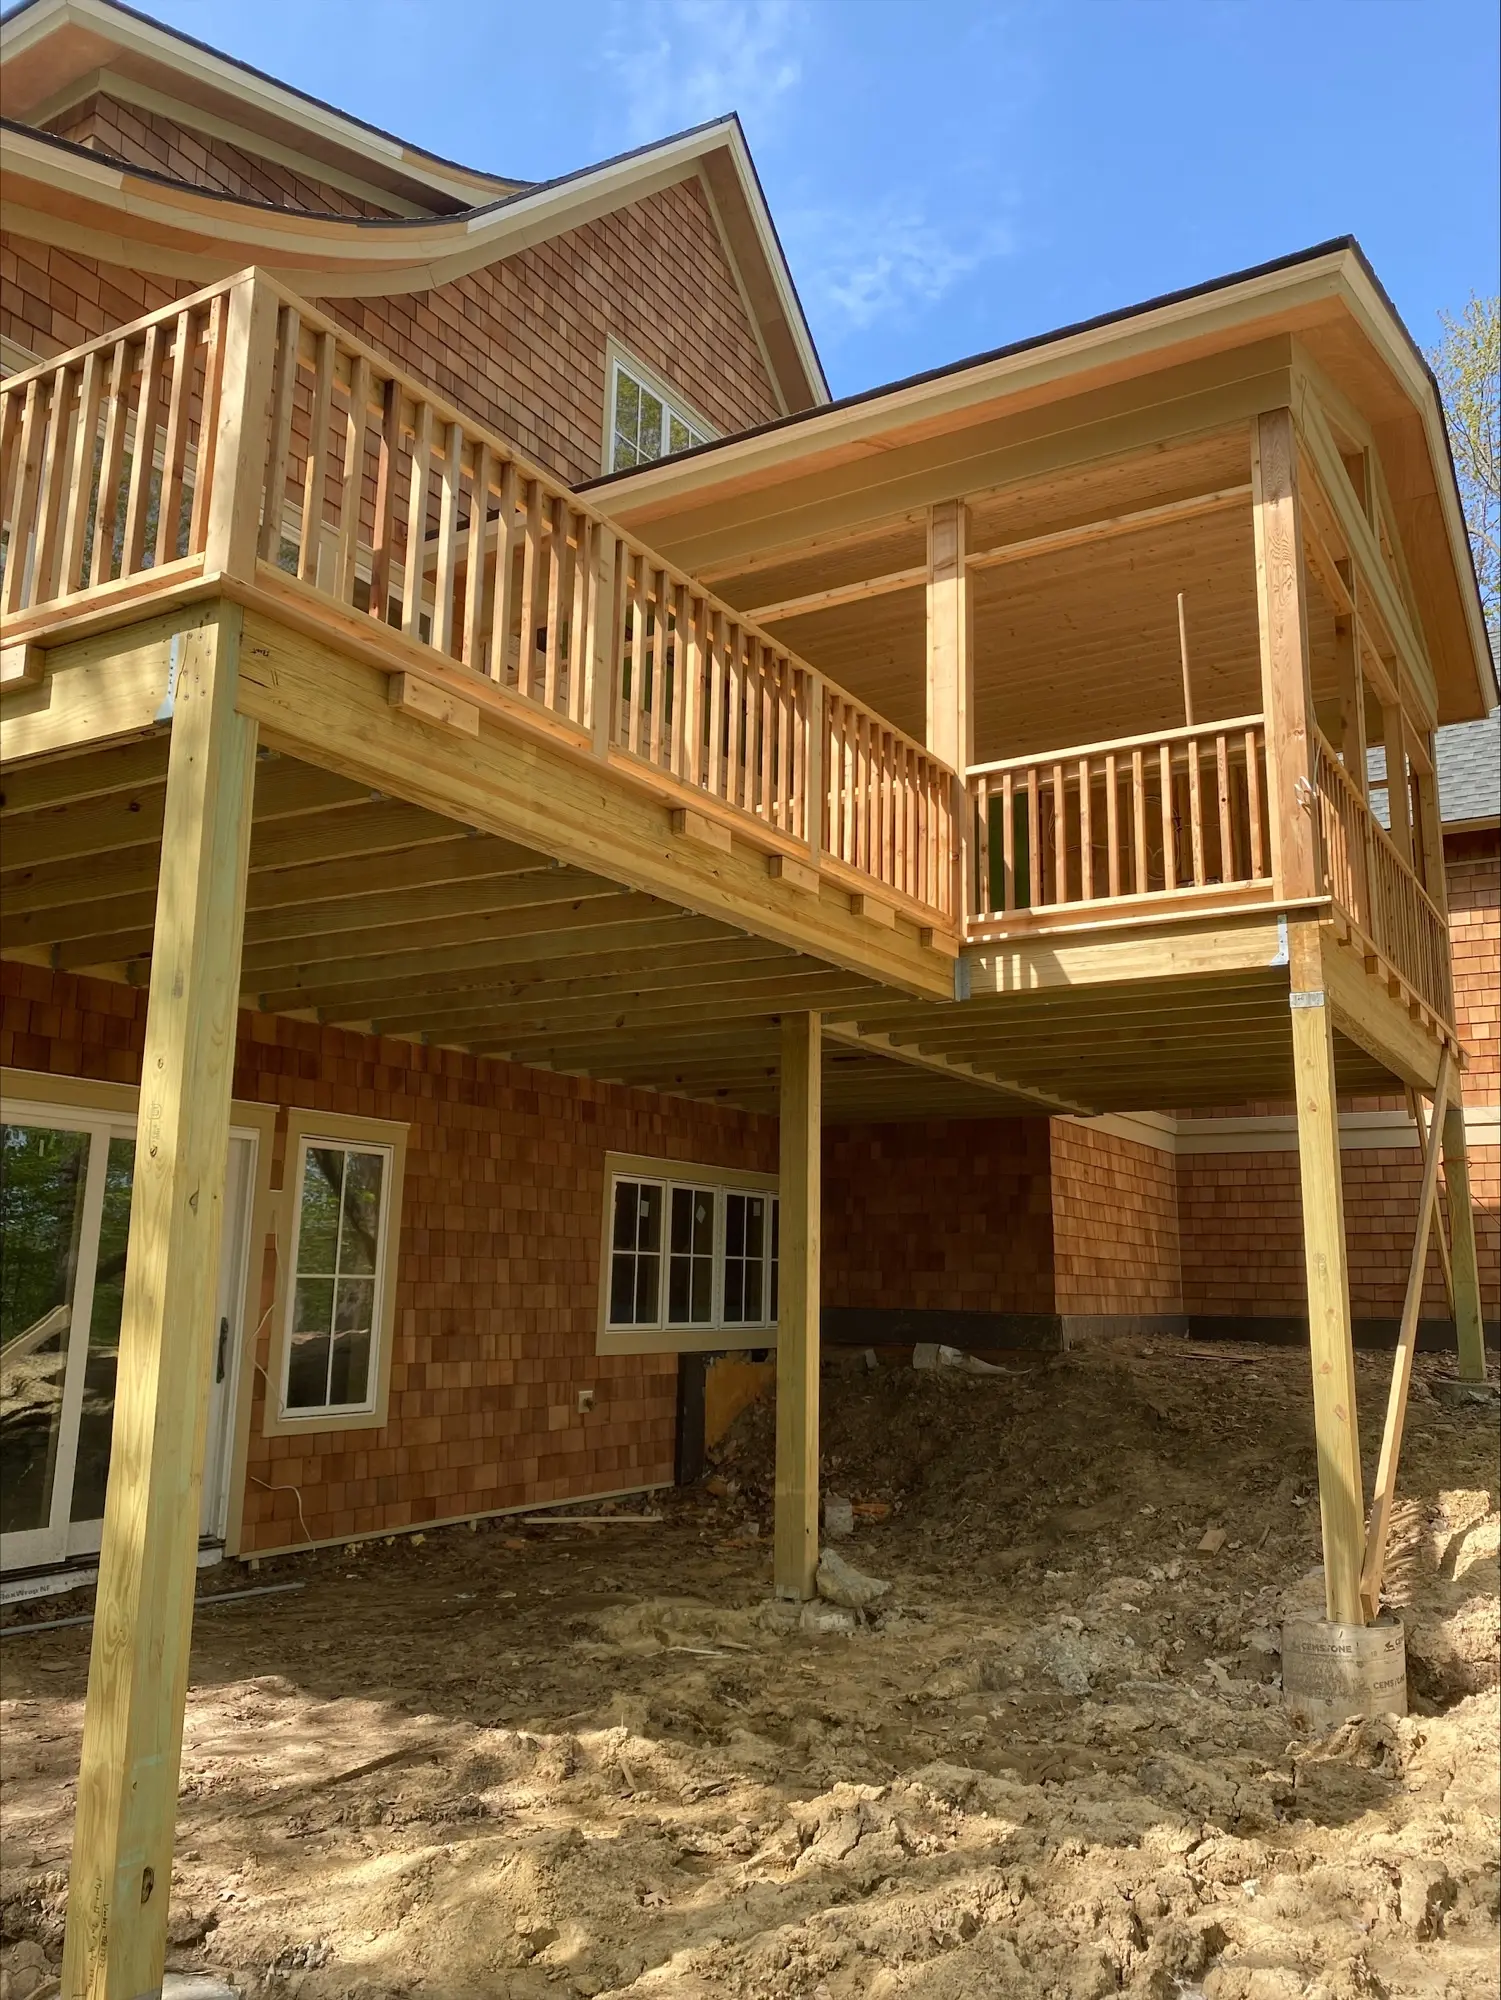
(951, 679)
(1341, 1492)
(1286, 696)
(132, 1737)
(801, 1193)
(1468, 1324)
(241, 434)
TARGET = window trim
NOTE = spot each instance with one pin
(618, 357)
(307, 1128)
(663, 1338)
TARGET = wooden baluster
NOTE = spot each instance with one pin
(1227, 836)
(383, 547)
(636, 641)
(903, 777)
(471, 644)
(1139, 820)
(863, 812)
(578, 622)
(1112, 825)
(315, 472)
(143, 456)
(713, 634)
(81, 472)
(786, 802)
(1196, 811)
(983, 900)
(1086, 831)
(851, 803)
(12, 403)
(214, 347)
(531, 562)
(1253, 804)
(50, 486)
(17, 436)
(1008, 842)
(446, 568)
(352, 481)
(557, 556)
(768, 737)
(111, 462)
(734, 692)
(1034, 841)
(505, 585)
(289, 336)
(1169, 845)
(416, 552)
(1060, 836)
(175, 444)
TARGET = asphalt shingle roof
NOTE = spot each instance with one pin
(1469, 772)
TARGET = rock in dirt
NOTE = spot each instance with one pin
(822, 1620)
(840, 1582)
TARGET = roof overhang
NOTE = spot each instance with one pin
(86, 202)
(911, 438)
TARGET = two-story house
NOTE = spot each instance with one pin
(537, 845)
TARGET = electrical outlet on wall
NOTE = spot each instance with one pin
(586, 1401)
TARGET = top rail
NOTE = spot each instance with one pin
(241, 431)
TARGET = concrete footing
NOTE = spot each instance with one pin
(1337, 1673)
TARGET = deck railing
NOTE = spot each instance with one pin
(105, 458)
(1098, 830)
(242, 433)
(1369, 879)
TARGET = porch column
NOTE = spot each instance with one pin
(132, 1738)
(1286, 694)
(1468, 1324)
(1341, 1492)
(801, 1194)
(951, 671)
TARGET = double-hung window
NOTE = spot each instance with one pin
(689, 1253)
(647, 419)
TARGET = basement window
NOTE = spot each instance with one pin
(648, 419)
(687, 1254)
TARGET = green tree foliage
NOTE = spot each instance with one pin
(1467, 363)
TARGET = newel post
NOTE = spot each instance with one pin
(1286, 694)
(240, 432)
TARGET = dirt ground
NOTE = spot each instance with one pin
(1053, 1765)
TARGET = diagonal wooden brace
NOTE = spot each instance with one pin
(1429, 1136)
(1396, 1406)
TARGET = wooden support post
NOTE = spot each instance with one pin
(950, 653)
(132, 1737)
(801, 1192)
(1351, 699)
(240, 443)
(1374, 1565)
(1341, 1494)
(1286, 695)
(1430, 831)
(1468, 1324)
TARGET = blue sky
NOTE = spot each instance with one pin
(949, 175)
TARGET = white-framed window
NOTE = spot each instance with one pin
(335, 1317)
(647, 418)
(689, 1253)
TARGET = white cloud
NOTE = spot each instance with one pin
(853, 270)
(680, 62)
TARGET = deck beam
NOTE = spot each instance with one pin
(121, 1876)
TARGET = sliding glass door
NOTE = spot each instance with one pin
(65, 1180)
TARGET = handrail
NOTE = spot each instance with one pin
(1116, 823)
(246, 430)
(1116, 743)
(1373, 882)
